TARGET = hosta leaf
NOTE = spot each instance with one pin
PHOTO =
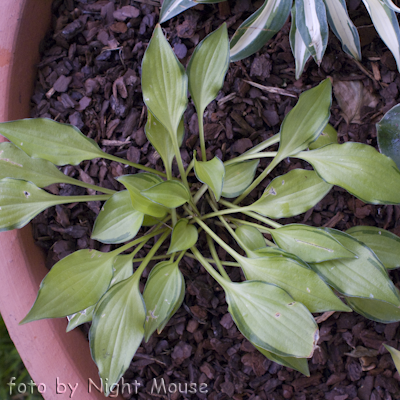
(358, 168)
(76, 282)
(309, 243)
(343, 28)
(207, 68)
(364, 276)
(211, 173)
(142, 181)
(303, 284)
(80, 318)
(299, 364)
(117, 221)
(386, 24)
(160, 139)
(251, 238)
(385, 244)
(163, 295)
(164, 82)
(299, 48)
(238, 177)
(375, 310)
(44, 138)
(388, 133)
(395, 355)
(391, 5)
(306, 120)
(171, 194)
(327, 136)
(313, 26)
(171, 8)
(269, 318)
(259, 28)
(148, 220)
(183, 236)
(117, 330)
(291, 194)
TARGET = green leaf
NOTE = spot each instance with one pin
(395, 355)
(142, 181)
(117, 221)
(117, 330)
(76, 282)
(343, 28)
(310, 244)
(259, 28)
(44, 138)
(238, 177)
(299, 364)
(171, 8)
(183, 236)
(163, 295)
(296, 278)
(171, 194)
(388, 133)
(148, 220)
(269, 318)
(251, 238)
(313, 26)
(291, 194)
(385, 244)
(364, 276)
(305, 121)
(327, 136)
(358, 168)
(164, 82)
(160, 139)
(375, 310)
(207, 68)
(80, 318)
(299, 48)
(211, 173)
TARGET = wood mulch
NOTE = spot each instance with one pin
(89, 76)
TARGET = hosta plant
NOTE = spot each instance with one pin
(309, 32)
(291, 271)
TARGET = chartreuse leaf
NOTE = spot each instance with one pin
(299, 48)
(269, 318)
(358, 168)
(183, 236)
(313, 26)
(207, 68)
(291, 194)
(385, 244)
(117, 330)
(364, 276)
(343, 28)
(76, 282)
(160, 139)
(388, 133)
(251, 238)
(327, 136)
(142, 181)
(304, 285)
(395, 356)
(163, 295)
(299, 364)
(80, 318)
(309, 243)
(211, 173)
(171, 194)
(117, 221)
(164, 82)
(386, 24)
(259, 28)
(58, 143)
(170, 8)
(303, 124)
(238, 178)
(375, 310)
(148, 220)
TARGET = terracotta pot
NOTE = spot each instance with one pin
(48, 352)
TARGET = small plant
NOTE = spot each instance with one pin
(309, 30)
(286, 280)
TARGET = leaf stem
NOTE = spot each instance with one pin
(254, 156)
(179, 161)
(79, 183)
(216, 258)
(224, 212)
(200, 117)
(263, 145)
(200, 193)
(79, 199)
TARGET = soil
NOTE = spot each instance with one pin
(89, 76)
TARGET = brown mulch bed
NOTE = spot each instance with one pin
(89, 76)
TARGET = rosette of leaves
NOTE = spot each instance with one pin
(310, 27)
(304, 270)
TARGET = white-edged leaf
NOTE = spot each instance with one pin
(238, 177)
(251, 238)
(259, 28)
(171, 194)
(171, 8)
(376, 310)
(328, 135)
(184, 236)
(395, 356)
(80, 318)
(211, 173)
(391, 5)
